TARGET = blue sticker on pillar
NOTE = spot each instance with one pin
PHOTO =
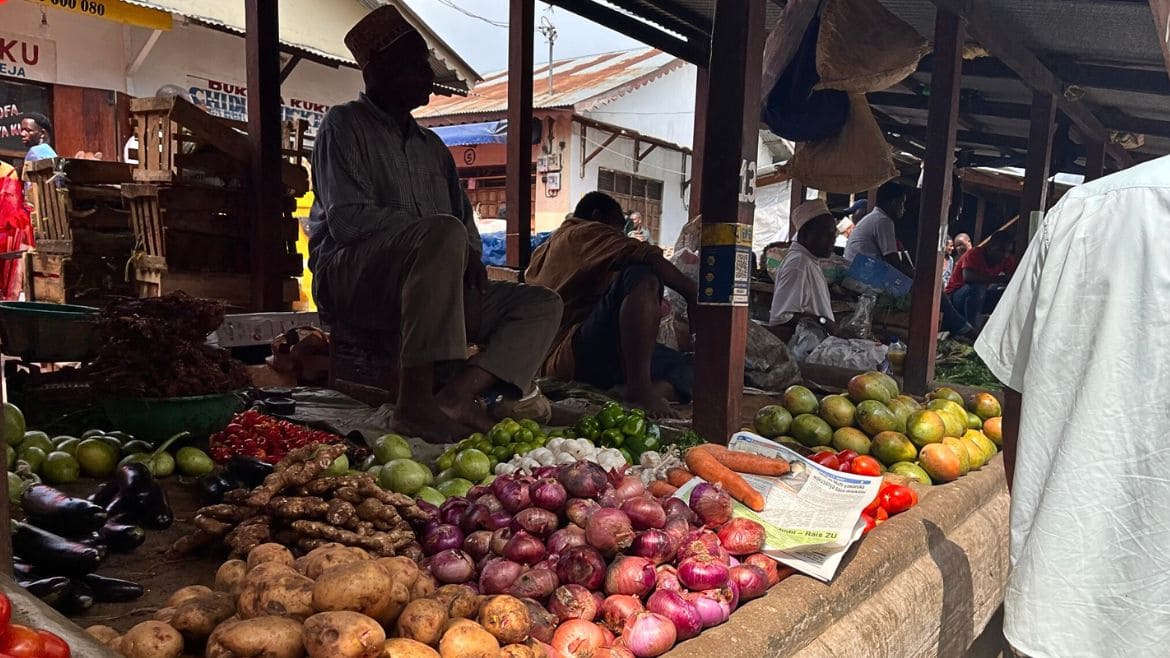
(725, 264)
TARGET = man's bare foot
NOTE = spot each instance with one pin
(432, 426)
(655, 405)
(468, 413)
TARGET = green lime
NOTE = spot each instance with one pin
(69, 445)
(97, 460)
(37, 439)
(557, 432)
(454, 487)
(431, 495)
(476, 436)
(161, 465)
(390, 447)
(11, 457)
(13, 426)
(472, 465)
(502, 453)
(337, 468)
(530, 425)
(405, 476)
(482, 446)
(33, 456)
(445, 460)
(92, 434)
(525, 448)
(499, 435)
(194, 462)
(523, 436)
(60, 468)
(511, 425)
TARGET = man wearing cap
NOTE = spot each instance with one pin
(393, 245)
(801, 290)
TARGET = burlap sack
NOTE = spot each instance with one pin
(856, 160)
(862, 47)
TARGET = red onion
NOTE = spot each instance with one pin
(702, 572)
(644, 513)
(751, 581)
(536, 521)
(430, 510)
(609, 498)
(474, 493)
(654, 545)
(565, 538)
(666, 577)
(580, 509)
(677, 527)
(549, 494)
(617, 609)
(678, 507)
(681, 612)
(497, 576)
(648, 634)
(513, 496)
(452, 566)
(536, 584)
(499, 540)
(711, 611)
(610, 638)
(543, 621)
(526, 549)
(475, 517)
(442, 537)
(573, 602)
(732, 562)
(491, 502)
(452, 509)
(629, 487)
(711, 504)
(545, 472)
(742, 536)
(478, 544)
(609, 531)
(578, 638)
(600, 599)
(497, 520)
(771, 567)
(614, 651)
(630, 575)
(549, 562)
(582, 479)
(581, 565)
(705, 540)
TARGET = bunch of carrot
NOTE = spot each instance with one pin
(718, 465)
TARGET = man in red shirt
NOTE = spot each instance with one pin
(978, 271)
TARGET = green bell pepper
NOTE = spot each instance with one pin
(612, 438)
(588, 428)
(634, 426)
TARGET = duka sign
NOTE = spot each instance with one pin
(26, 58)
(229, 100)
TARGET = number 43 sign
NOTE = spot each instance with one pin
(747, 181)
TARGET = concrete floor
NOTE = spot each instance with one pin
(990, 644)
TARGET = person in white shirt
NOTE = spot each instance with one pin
(874, 235)
(1081, 338)
(801, 290)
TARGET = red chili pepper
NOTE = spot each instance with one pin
(870, 523)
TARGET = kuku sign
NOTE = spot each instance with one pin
(229, 100)
(26, 58)
(113, 10)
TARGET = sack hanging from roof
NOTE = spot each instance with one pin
(862, 47)
(856, 160)
(794, 109)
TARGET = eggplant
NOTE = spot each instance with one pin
(112, 590)
(49, 590)
(23, 570)
(250, 471)
(78, 598)
(212, 488)
(49, 508)
(133, 480)
(104, 495)
(156, 510)
(96, 542)
(52, 552)
(122, 538)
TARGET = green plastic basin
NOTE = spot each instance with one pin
(45, 333)
(156, 419)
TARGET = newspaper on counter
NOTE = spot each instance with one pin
(811, 515)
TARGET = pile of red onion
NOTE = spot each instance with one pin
(604, 567)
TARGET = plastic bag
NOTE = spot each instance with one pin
(768, 364)
(851, 354)
(860, 324)
(805, 339)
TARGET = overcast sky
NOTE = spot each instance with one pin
(485, 46)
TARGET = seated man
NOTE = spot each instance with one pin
(977, 271)
(393, 245)
(874, 235)
(801, 290)
(612, 289)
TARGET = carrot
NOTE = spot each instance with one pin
(703, 464)
(677, 477)
(661, 489)
(746, 462)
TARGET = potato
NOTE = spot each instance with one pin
(516, 651)
(330, 555)
(342, 634)
(423, 586)
(165, 615)
(269, 553)
(286, 594)
(267, 569)
(102, 634)
(455, 623)
(468, 640)
(186, 593)
(230, 576)
(461, 601)
(197, 618)
(401, 647)
(357, 586)
(423, 620)
(400, 568)
(262, 637)
(537, 647)
(506, 618)
(152, 639)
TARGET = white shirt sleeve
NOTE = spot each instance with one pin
(887, 242)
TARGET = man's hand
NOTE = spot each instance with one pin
(474, 284)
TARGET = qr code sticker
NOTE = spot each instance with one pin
(742, 266)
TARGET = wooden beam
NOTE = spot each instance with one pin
(143, 53)
(601, 147)
(968, 106)
(518, 183)
(5, 503)
(289, 67)
(694, 50)
(264, 134)
(796, 194)
(1038, 169)
(980, 216)
(702, 96)
(942, 124)
(963, 136)
(1094, 160)
(1161, 12)
(730, 143)
(1097, 76)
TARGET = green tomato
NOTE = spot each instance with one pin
(540, 440)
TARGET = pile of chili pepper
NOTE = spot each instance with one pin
(253, 434)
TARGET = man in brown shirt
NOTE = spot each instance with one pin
(611, 286)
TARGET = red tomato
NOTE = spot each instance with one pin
(5, 612)
(873, 505)
(827, 459)
(865, 465)
(21, 642)
(897, 498)
(846, 456)
(53, 646)
(846, 467)
(870, 523)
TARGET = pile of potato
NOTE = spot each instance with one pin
(335, 602)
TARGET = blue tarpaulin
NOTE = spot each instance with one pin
(470, 134)
(493, 247)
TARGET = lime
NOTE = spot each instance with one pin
(405, 476)
(337, 468)
(502, 453)
(37, 439)
(524, 436)
(455, 487)
(389, 447)
(472, 465)
(13, 427)
(11, 457)
(499, 435)
(482, 446)
(511, 425)
(540, 440)
(33, 456)
(530, 425)
(69, 445)
(431, 495)
(92, 434)
(60, 468)
(194, 462)
(445, 460)
(97, 460)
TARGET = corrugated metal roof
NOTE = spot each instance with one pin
(581, 83)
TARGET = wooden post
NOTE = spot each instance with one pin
(796, 193)
(518, 192)
(702, 86)
(1094, 160)
(980, 215)
(1035, 194)
(941, 125)
(263, 54)
(730, 143)
(5, 503)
